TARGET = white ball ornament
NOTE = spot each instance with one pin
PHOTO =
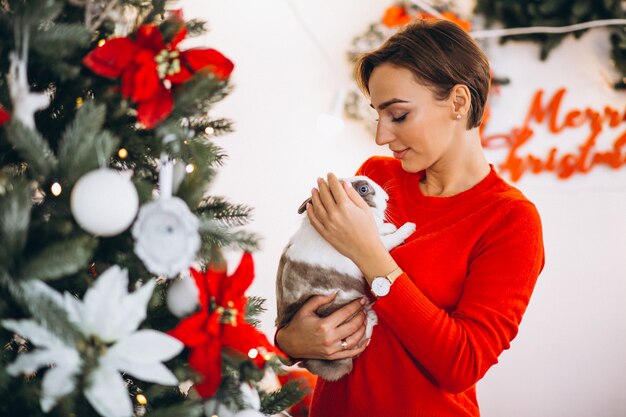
(104, 202)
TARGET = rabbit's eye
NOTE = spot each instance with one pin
(364, 189)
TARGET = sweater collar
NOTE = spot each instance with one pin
(417, 197)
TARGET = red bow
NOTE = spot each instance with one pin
(221, 323)
(149, 67)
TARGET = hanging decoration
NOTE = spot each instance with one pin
(104, 202)
(25, 102)
(152, 67)
(166, 236)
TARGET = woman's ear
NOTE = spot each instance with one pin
(461, 99)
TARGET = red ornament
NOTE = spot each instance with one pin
(150, 68)
(221, 324)
(5, 116)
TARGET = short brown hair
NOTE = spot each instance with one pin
(441, 55)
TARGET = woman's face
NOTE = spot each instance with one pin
(417, 127)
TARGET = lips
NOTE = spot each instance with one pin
(400, 153)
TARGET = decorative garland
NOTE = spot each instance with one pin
(525, 13)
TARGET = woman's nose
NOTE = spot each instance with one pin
(383, 135)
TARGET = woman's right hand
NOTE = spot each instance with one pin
(308, 336)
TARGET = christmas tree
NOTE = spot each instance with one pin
(106, 156)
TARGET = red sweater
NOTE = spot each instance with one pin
(469, 271)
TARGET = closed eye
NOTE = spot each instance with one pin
(399, 119)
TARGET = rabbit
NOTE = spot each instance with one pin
(310, 266)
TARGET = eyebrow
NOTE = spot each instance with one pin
(388, 103)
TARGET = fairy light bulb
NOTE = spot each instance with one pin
(101, 42)
(209, 130)
(141, 399)
(122, 153)
(253, 353)
(56, 189)
(79, 102)
(190, 168)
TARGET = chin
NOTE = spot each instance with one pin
(411, 166)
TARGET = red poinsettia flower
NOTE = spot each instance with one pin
(221, 324)
(5, 116)
(150, 68)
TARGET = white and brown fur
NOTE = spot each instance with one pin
(310, 266)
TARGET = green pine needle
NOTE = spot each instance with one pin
(84, 147)
(254, 307)
(15, 207)
(32, 147)
(277, 401)
(65, 257)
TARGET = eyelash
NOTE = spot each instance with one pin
(399, 119)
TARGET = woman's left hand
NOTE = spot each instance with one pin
(344, 219)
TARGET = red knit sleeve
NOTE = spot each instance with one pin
(457, 347)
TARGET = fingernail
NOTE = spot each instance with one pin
(368, 342)
(362, 301)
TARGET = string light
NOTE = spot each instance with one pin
(101, 42)
(56, 189)
(141, 399)
(209, 130)
(253, 353)
(79, 101)
(122, 153)
(190, 168)
(498, 33)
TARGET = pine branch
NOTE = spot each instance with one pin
(215, 235)
(59, 259)
(229, 214)
(71, 36)
(194, 185)
(15, 208)
(83, 146)
(215, 127)
(195, 95)
(196, 27)
(45, 309)
(33, 148)
(254, 307)
(277, 401)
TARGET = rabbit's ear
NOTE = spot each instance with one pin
(302, 207)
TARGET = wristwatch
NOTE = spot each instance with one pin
(382, 285)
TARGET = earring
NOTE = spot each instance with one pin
(458, 116)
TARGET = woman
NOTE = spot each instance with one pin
(451, 298)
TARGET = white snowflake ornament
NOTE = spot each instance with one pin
(166, 236)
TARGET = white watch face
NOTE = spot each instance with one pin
(381, 286)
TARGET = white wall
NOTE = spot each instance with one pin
(570, 356)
